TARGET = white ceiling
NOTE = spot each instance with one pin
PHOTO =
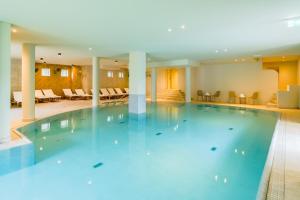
(115, 27)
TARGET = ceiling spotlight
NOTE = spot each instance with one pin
(45, 62)
(90, 49)
(59, 54)
(14, 30)
(182, 26)
(169, 30)
(41, 58)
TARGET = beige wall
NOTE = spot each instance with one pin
(79, 77)
(169, 79)
(242, 78)
(287, 74)
(104, 81)
(54, 82)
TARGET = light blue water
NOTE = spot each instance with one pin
(178, 152)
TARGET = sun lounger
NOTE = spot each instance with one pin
(17, 97)
(82, 94)
(69, 94)
(105, 93)
(40, 97)
(50, 94)
(120, 92)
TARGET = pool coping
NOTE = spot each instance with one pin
(263, 188)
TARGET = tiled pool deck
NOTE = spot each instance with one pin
(285, 173)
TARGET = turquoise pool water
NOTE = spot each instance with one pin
(176, 152)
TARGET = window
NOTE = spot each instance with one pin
(121, 75)
(64, 73)
(110, 74)
(45, 71)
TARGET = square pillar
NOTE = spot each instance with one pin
(28, 82)
(5, 68)
(153, 84)
(187, 84)
(95, 81)
(137, 83)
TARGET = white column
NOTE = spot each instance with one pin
(95, 81)
(28, 82)
(5, 67)
(137, 82)
(187, 84)
(153, 84)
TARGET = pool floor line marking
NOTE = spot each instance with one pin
(98, 165)
(159, 133)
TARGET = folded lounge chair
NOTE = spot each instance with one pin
(40, 97)
(17, 97)
(50, 94)
(69, 94)
(82, 94)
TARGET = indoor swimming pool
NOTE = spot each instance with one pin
(175, 151)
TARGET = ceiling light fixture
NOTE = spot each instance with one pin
(217, 51)
(182, 26)
(41, 58)
(59, 54)
(293, 22)
(169, 30)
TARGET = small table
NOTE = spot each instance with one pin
(243, 99)
(207, 96)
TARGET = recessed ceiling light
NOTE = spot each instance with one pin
(14, 30)
(169, 30)
(225, 50)
(182, 26)
(44, 62)
(90, 49)
(41, 58)
(59, 54)
(217, 51)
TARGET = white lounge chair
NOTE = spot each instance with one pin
(40, 97)
(126, 90)
(113, 93)
(82, 94)
(120, 92)
(17, 97)
(69, 94)
(50, 94)
(105, 93)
